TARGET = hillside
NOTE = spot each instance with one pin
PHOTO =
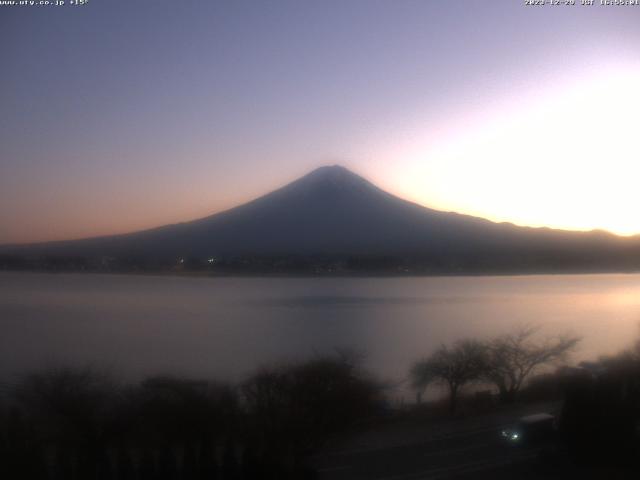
(333, 213)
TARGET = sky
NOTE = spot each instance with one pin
(123, 115)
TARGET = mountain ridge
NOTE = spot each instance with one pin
(333, 212)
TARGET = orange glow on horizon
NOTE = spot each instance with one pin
(565, 158)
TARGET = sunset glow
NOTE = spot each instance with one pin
(529, 120)
(566, 157)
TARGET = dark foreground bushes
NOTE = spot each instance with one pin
(600, 420)
(80, 424)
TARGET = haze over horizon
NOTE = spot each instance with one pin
(124, 116)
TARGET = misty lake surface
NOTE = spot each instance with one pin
(227, 327)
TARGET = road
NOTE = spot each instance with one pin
(475, 451)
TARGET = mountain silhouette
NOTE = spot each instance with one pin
(334, 212)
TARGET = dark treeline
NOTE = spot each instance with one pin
(435, 264)
(600, 418)
(81, 424)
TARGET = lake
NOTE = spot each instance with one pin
(227, 327)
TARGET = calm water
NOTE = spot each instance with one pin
(226, 327)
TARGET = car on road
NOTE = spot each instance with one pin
(531, 429)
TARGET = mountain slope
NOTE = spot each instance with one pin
(332, 211)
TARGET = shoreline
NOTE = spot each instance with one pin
(352, 275)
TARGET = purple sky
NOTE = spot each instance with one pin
(122, 115)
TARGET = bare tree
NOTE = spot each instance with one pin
(512, 358)
(453, 366)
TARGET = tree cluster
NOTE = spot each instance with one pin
(81, 424)
(506, 362)
(600, 416)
